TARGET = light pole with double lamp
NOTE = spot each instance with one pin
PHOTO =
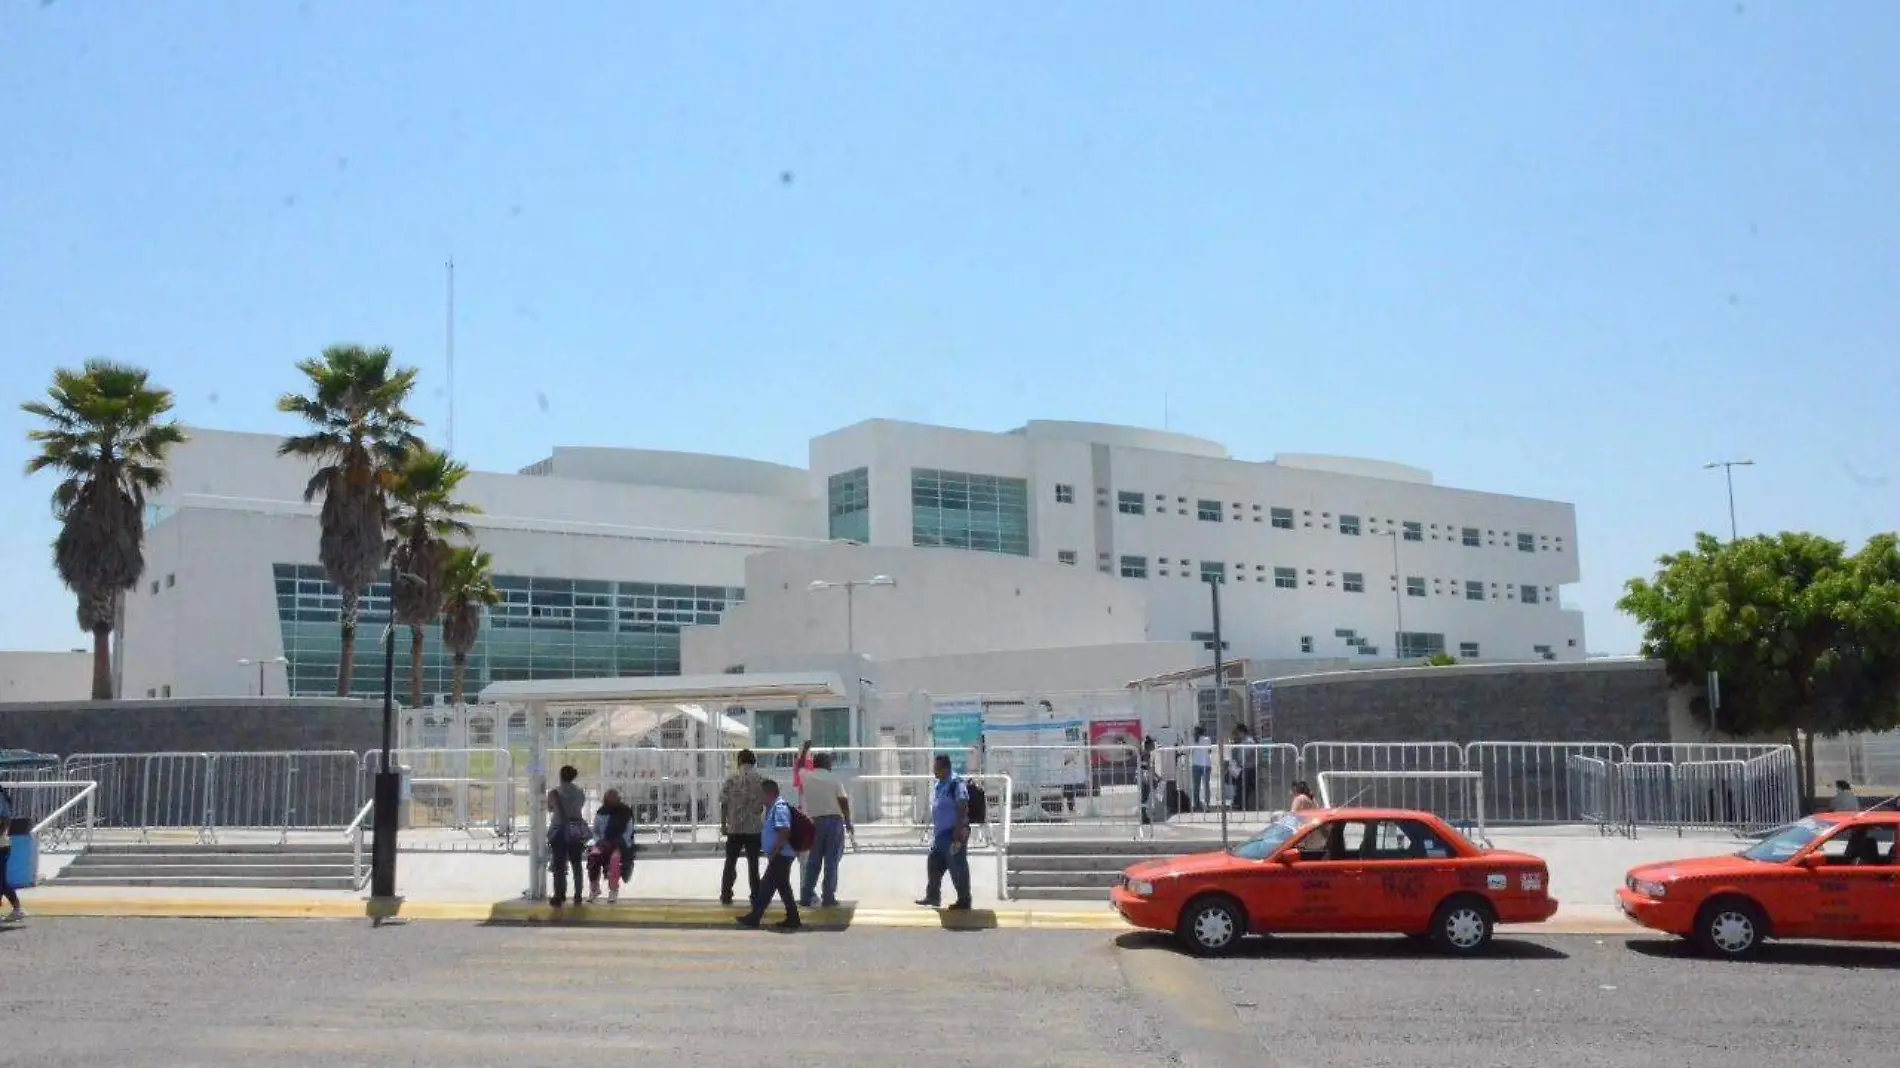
(1728, 474)
(850, 588)
(260, 662)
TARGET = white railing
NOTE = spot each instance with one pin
(1001, 844)
(56, 829)
(354, 832)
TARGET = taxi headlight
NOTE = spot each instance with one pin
(1141, 887)
(1651, 888)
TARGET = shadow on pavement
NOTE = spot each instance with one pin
(1803, 954)
(1347, 947)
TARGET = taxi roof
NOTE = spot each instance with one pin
(1878, 815)
(1350, 813)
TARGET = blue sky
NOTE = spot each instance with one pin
(1567, 250)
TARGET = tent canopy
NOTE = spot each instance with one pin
(623, 721)
(671, 689)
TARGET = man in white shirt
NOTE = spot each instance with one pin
(830, 811)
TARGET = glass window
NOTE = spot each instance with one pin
(1131, 503)
(1353, 581)
(1269, 841)
(1471, 539)
(1414, 586)
(1283, 518)
(1414, 531)
(1419, 644)
(1065, 493)
(848, 498)
(1135, 567)
(1213, 571)
(1306, 643)
(983, 513)
(1474, 591)
(1468, 650)
(1783, 846)
(1207, 511)
(1065, 556)
(1527, 594)
(831, 728)
(1405, 840)
(1526, 543)
(1286, 578)
(1349, 524)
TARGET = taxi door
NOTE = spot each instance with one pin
(1856, 896)
(1408, 871)
(1326, 890)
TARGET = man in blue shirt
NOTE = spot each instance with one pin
(776, 841)
(950, 837)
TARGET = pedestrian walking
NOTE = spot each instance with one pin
(777, 836)
(950, 837)
(568, 833)
(1202, 759)
(1247, 761)
(7, 892)
(741, 807)
(1844, 799)
(829, 809)
(1302, 797)
(1148, 777)
(801, 764)
(613, 847)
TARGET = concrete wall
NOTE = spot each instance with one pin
(1599, 701)
(48, 676)
(204, 725)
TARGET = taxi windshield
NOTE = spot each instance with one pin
(1269, 841)
(1781, 846)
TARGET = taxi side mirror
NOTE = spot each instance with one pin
(1288, 857)
(1813, 861)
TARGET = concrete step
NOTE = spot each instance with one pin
(130, 872)
(236, 882)
(194, 849)
(1099, 880)
(210, 857)
(1077, 862)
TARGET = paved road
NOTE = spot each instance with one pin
(164, 992)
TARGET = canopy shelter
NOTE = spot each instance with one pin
(626, 707)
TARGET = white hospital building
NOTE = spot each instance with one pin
(1058, 556)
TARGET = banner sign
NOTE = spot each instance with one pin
(956, 730)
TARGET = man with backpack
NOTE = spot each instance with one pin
(7, 892)
(783, 830)
(951, 802)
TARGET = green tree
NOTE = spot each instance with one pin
(1441, 660)
(425, 514)
(468, 589)
(359, 433)
(104, 433)
(1801, 635)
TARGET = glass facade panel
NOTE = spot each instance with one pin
(544, 628)
(986, 513)
(1419, 644)
(848, 499)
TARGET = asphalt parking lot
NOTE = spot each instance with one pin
(176, 992)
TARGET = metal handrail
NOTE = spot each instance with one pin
(86, 795)
(355, 833)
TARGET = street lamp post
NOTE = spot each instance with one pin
(260, 662)
(1728, 474)
(386, 797)
(850, 588)
(1220, 706)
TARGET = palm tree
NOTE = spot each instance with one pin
(468, 587)
(103, 433)
(425, 514)
(359, 434)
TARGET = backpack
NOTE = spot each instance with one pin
(979, 805)
(804, 832)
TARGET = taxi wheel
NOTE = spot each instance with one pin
(1731, 928)
(1462, 925)
(1212, 925)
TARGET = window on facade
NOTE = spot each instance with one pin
(957, 510)
(1206, 638)
(1353, 582)
(1527, 594)
(1419, 644)
(1065, 493)
(1213, 571)
(1065, 556)
(1468, 650)
(1306, 644)
(1135, 567)
(1286, 578)
(1471, 538)
(1414, 586)
(1283, 518)
(1349, 524)
(1526, 543)
(165, 690)
(848, 499)
(1131, 503)
(1414, 531)
(1544, 651)
(1207, 511)
(1474, 591)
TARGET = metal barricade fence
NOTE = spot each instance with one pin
(145, 792)
(1592, 785)
(285, 791)
(1449, 798)
(1646, 793)
(60, 812)
(1068, 782)
(1771, 791)
(454, 789)
(1530, 783)
(1257, 778)
(995, 831)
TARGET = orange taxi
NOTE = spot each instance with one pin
(1340, 871)
(1832, 875)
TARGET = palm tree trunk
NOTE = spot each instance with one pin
(346, 661)
(415, 666)
(461, 670)
(102, 662)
